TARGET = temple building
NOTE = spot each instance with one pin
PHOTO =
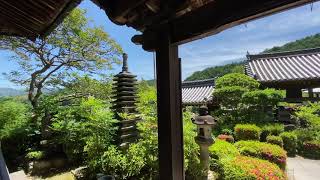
(196, 93)
(292, 71)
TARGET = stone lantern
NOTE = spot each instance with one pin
(204, 139)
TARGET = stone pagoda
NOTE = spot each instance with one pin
(125, 105)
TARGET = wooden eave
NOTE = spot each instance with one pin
(300, 84)
(33, 18)
(188, 19)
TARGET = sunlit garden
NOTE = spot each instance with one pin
(69, 122)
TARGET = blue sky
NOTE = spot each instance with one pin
(218, 49)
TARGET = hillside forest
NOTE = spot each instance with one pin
(218, 71)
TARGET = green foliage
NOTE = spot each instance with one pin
(271, 129)
(247, 132)
(230, 96)
(227, 131)
(248, 168)
(277, 140)
(216, 71)
(266, 97)
(311, 149)
(270, 152)
(145, 151)
(222, 149)
(309, 116)
(35, 155)
(124, 164)
(82, 86)
(306, 135)
(14, 118)
(312, 41)
(241, 101)
(84, 128)
(236, 79)
(289, 142)
(75, 46)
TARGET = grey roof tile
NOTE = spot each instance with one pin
(284, 66)
(196, 92)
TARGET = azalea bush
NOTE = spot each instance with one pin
(229, 164)
(245, 168)
(225, 137)
(311, 149)
(247, 132)
(222, 149)
(270, 152)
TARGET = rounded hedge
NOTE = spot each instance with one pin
(247, 132)
(277, 140)
(270, 152)
(289, 142)
(311, 149)
(271, 129)
(227, 138)
(223, 149)
(247, 168)
(237, 79)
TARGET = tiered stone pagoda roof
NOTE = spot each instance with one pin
(125, 103)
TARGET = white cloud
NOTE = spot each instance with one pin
(255, 37)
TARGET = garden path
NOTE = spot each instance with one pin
(300, 168)
(19, 175)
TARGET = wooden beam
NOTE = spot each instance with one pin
(222, 14)
(117, 10)
(170, 128)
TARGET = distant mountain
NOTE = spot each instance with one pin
(230, 67)
(217, 71)
(11, 92)
(304, 43)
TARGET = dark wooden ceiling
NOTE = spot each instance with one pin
(188, 19)
(31, 18)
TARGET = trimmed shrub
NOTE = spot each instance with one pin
(306, 135)
(271, 129)
(289, 142)
(311, 149)
(236, 79)
(222, 149)
(270, 152)
(227, 138)
(277, 140)
(247, 132)
(226, 131)
(248, 168)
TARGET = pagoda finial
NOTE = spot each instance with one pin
(125, 62)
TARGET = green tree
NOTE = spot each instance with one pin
(82, 86)
(241, 100)
(74, 46)
(13, 117)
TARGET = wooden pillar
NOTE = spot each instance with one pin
(310, 92)
(170, 128)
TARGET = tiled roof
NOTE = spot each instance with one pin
(285, 66)
(196, 92)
